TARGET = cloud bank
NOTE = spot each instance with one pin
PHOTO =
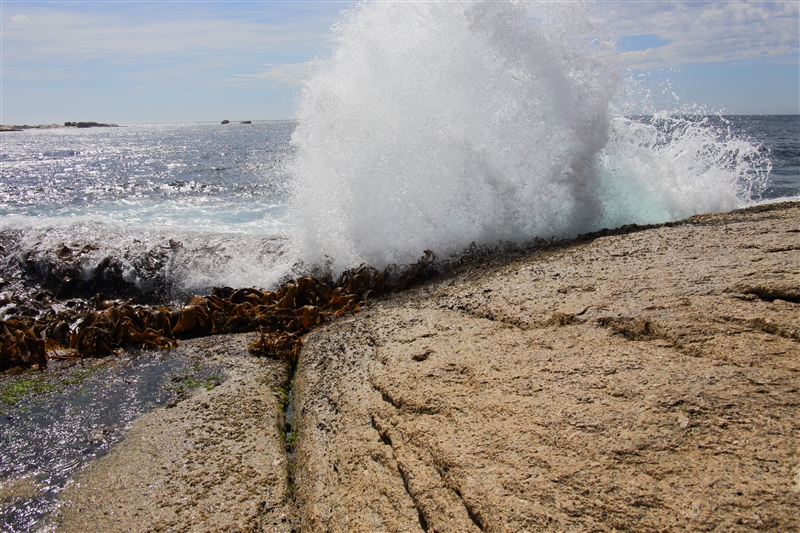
(705, 32)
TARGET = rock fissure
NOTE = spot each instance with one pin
(387, 440)
(635, 328)
(766, 325)
(405, 405)
(288, 433)
(439, 505)
(474, 516)
(480, 311)
(770, 294)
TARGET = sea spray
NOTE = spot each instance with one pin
(431, 126)
(435, 125)
(670, 166)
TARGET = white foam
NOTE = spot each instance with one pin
(674, 167)
(176, 261)
(435, 125)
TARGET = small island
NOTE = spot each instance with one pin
(9, 127)
(89, 125)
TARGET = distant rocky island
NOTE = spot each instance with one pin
(89, 125)
(9, 127)
(4, 127)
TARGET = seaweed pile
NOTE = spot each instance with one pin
(281, 317)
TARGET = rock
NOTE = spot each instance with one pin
(218, 454)
(246, 122)
(27, 127)
(630, 380)
(95, 125)
(637, 390)
(89, 125)
(226, 121)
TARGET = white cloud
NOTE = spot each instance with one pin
(699, 31)
(291, 74)
(709, 31)
(108, 34)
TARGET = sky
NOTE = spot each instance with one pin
(159, 61)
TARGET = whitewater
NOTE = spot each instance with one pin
(431, 126)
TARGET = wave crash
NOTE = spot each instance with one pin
(437, 125)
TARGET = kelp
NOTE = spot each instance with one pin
(281, 317)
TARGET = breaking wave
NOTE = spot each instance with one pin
(436, 125)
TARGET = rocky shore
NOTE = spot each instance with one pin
(8, 127)
(644, 379)
(214, 462)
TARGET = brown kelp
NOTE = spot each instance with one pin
(280, 316)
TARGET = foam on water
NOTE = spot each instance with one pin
(435, 125)
(157, 263)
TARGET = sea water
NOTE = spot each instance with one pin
(215, 201)
(431, 126)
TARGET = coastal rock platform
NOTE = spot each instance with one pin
(643, 379)
(213, 462)
(18, 127)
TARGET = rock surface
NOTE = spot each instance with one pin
(5, 127)
(646, 379)
(90, 125)
(214, 462)
(640, 381)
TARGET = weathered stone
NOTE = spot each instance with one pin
(213, 462)
(638, 380)
(641, 381)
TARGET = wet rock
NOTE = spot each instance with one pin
(212, 462)
(64, 253)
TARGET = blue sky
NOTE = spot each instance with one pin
(186, 61)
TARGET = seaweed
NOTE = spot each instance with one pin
(281, 317)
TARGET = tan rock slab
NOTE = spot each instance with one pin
(214, 462)
(644, 380)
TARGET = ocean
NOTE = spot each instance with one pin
(181, 208)
(428, 126)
